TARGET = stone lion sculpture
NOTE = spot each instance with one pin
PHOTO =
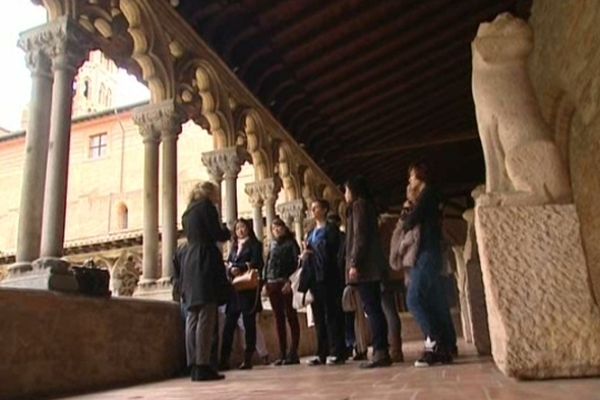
(523, 164)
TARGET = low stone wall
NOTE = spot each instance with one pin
(52, 343)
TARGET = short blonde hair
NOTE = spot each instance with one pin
(203, 191)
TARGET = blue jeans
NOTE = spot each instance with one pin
(426, 299)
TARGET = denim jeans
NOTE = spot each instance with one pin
(426, 299)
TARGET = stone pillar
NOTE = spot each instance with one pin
(225, 163)
(256, 201)
(146, 118)
(68, 53)
(267, 190)
(216, 175)
(270, 214)
(170, 125)
(293, 211)
(33, 42)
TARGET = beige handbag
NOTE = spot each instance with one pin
(246, 281)
(349, 299)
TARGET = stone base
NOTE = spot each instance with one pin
(45, 274)
(151, 289)
(543, 320)
(478, 314)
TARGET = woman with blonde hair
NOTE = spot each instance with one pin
(203, 282)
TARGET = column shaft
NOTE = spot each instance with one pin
(270, 214)
(150, 244)
(230, 200)
(34, 169)
(298, 229)
(257, 221)
(169, 206)
(55, 199)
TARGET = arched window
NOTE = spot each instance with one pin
(122, 216)
(101, 96)
(108, 98)
(87, 88)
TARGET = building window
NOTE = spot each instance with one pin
(86, 89)
(98, 146)
(122, 216)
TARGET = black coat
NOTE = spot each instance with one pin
(203, 279)
(282, 259)
(427, 214)
(364, 250)
(247, 301)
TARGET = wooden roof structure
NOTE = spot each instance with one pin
(366, 86)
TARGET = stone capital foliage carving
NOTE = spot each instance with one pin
(158, 120)
(62, 42)
(264, 191)
(224, 162)
(254, 195)
(292, 210)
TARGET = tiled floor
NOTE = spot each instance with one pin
(470, 378)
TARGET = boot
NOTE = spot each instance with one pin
(205, 373)
(381, 358)
(396, 353)
(247, 364)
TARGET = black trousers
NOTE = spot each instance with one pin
(329, 320)
(240, 303)
(370, 294)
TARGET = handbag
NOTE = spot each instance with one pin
(246, 281)
(299, 299)
(349, 299)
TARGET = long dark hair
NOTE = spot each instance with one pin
(249, 228)
(288, 233)
(359, 187)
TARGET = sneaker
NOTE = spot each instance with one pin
(360, 356)
(279, 362)
(334, 360)
(315, 361)
(427, 359)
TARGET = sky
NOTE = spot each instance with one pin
(15, 81)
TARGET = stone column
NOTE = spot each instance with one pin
(68, 53)
(231, 168)
(293, 211)
(33, 42)
(256, 200)
(145, 117)
(209, 159)
(227, 163)
(170, 126)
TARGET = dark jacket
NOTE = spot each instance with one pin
(282, 260)
(363, 243)
(426, 213)
(203, 278)
(321, 265)
(178, 261)
(251, 253)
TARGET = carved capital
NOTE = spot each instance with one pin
(254, 194)
(158, 120)
(62, 41)
(292, 210)
(223, 162)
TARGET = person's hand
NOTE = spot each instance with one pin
(353, 274)
(235, 271)
(287, 288)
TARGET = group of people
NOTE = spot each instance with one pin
(333, 268)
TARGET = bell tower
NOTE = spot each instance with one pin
(95, 85)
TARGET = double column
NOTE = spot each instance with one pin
(159, 121)
(292, 213)
(55, 51)
(263, 192)
(225, 164)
